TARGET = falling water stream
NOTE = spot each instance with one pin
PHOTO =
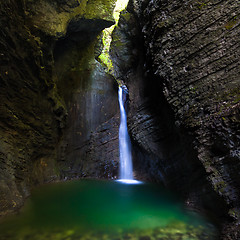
(126, 171)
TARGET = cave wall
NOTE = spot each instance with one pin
(29, 127)
(184, 96)
(36, 103)
(192, 49)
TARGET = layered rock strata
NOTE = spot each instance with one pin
(193, 50)
(184, 97)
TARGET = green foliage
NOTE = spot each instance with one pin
(201, 5)
(105, 57)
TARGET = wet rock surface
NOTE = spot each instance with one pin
(192, 50)
(35, 94)
(29, 123)
(96, 157)
(90, 95)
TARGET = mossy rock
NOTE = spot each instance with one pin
(53, 18)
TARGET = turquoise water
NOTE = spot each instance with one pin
(89, 209)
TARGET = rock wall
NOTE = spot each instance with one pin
(97, 157)
(29, 126)
(163, 152)
(43, 44)
(92, 127)
(185, 97)
(90, 94)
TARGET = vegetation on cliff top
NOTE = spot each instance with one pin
(107, 38)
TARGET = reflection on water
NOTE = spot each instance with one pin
(90, 209)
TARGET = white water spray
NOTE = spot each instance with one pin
(124, 141)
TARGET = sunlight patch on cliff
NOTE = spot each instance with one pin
(107, 35)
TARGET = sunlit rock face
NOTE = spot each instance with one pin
(189, 121)
(45, 83)
(53, 17)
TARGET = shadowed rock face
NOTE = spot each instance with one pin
(193, 51)
(89, 147)
(36, 93)
(30, 115)
(185, 95)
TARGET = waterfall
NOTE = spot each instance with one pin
(124, 139)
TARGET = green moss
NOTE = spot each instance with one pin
(47, 17)
(229, 25)
(103, 9)
(126, 16)
(234, 212)
(228, 99)
(104, 58)
(165, 24)
(218, 183)
(201, 4)
(58, 104)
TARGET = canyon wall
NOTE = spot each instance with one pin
(49, 81)
(59, 111)
(184, 98)
(163, 152)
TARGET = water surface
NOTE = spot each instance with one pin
(89, 209)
